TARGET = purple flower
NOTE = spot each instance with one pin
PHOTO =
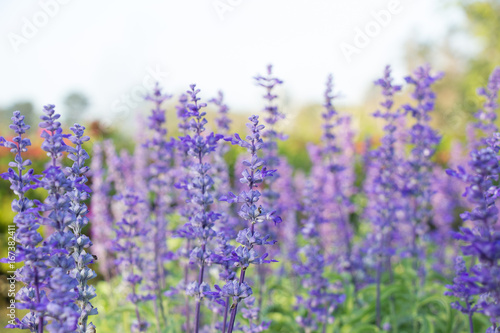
(182, 179)
(129, 234)
(417, 175)
(334, 198)
(200, 195)
(160, 154)
(272, 116)
(253, 175)
(35, 274)
(80, 193)
(61, 218)
(102, 218)
(482, 241)
(269, 82)
(445, 203)
(236, 291)
(318, 302)
(49, 292)
(384, 193)
(183, 114)
(223, 121)
(464, 288)
(487, 115)
(220, 175)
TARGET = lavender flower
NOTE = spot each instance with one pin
(445, 203)
(245, 255)
(102, 219)
(222, 120)
(335, 199)
(129, 234)
(62, 307)
(288, 204)
(200, 187)
(271, 197)
(182, 179)
(464, 288)
(228, 221)
(222, 256)
(140, 159)
(486, 117)
(78, 195)
(384, 192)
(418, 170)
(482, 241)
(320, 301)
(183, 114)
(161, 155)
(47, 265)
(325, 203)
(35, 274)
(221, 170)
(272, 116)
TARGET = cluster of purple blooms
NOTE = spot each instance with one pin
(55, 273)
(174, 221)
(324, 203)
(384, 188)
(417, 178)
(478, 287)
(186, 178)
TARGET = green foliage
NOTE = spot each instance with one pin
(406, 307)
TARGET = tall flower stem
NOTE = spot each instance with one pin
(378, 282)
(235, 306)
(58, 204)
(199, 187)
(37, 293)
(198, 302)
(418, 176)
(129, 232)
(384, 192)
(79, 194)
(186, 279)
(161, 155)
(134, 292)
(203, 247)
(226, 310)
(471, 324)
(272, 117)
(21, 198)
(245, 255)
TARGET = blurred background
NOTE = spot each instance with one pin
(96, 60)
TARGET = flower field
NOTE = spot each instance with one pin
(207, 230)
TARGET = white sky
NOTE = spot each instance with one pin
(103, 48)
